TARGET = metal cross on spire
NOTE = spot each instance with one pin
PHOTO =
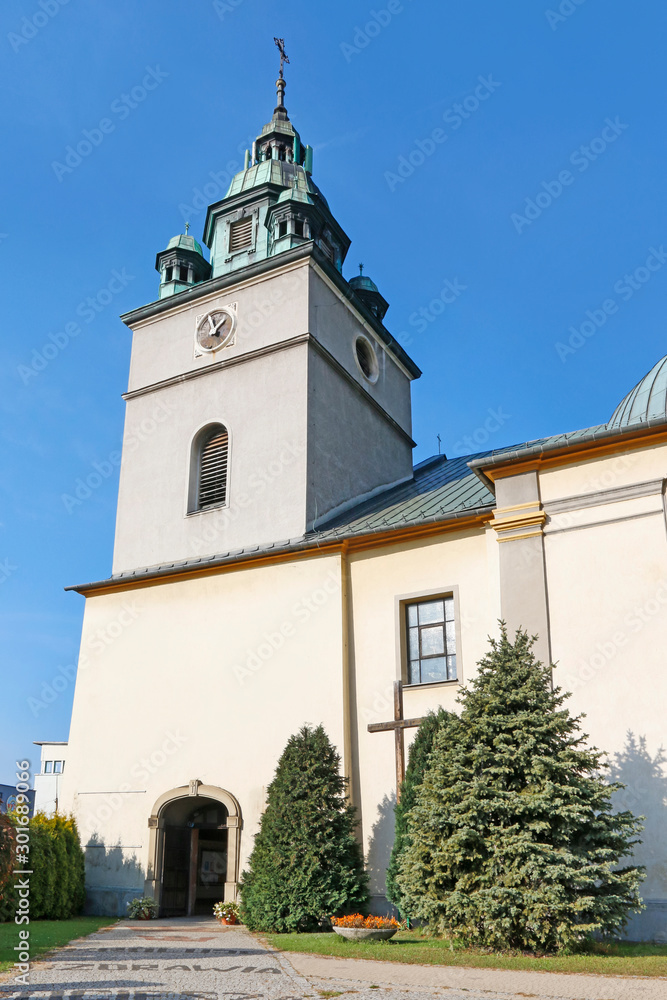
(284, 58)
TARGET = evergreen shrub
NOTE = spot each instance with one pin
(513, 843)
(418, 759)
(306, 863)
(56, 862)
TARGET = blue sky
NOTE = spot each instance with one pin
(500, 169)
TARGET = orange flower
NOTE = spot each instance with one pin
(374, 923)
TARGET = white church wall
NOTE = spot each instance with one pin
(465, 560)
(263, 406)
(352, 448)
(271, 308)
(607, 586)
(600, 473)
(207, 679)
(336, 326)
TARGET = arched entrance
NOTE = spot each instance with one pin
(193, 850)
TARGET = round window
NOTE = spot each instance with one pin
(366, 358)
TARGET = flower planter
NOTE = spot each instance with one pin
(365, 933)
(228, 921)
(144, 916)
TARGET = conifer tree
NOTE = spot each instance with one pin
(7, 859)
(414, 775)
(513, 842)
(306, 863)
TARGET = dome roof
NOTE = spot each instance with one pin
(295, 193)
(362, 282)
(281, 173)
(647, 401)
(183, 242)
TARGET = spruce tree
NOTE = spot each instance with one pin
(513, 842)
(414, 775)
(306, 863)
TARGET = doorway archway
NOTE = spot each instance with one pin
(193, 850)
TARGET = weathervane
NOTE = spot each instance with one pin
(187, 226)
(361, 269)
(284, 58)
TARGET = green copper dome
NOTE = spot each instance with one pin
(367, 291)
(183, 242)
(281, 173)
(647, 401)
(273, 205)
(362, 282)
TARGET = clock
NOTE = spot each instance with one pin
(215, 329)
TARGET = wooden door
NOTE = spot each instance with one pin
(175, 871)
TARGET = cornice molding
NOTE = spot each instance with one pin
(519, 517)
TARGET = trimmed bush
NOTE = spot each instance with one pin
(7, 854)
(56, 859)
(306, 863)
(513, 842)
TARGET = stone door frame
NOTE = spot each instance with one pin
(156, 825)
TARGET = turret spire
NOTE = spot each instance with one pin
(280, 111)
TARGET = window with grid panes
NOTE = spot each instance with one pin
(431, 640)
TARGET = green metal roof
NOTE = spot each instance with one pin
(184, 242)
(647, 401)
(281, 173)
(295, 193)
(439, 487)
(361, 282)
(441, 490)
(558, 442)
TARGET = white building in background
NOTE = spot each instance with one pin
(49, 777)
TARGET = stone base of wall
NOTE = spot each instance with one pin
(381, 907)
(650, 924)
(110, 901)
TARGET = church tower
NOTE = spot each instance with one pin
(265, 392)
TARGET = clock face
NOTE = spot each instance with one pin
(214, 330)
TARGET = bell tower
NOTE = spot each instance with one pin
(265, 393)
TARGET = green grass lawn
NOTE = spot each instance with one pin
(414, 948)
(46, 934)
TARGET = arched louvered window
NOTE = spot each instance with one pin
(212, 472)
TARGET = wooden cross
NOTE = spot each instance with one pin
(399, 725)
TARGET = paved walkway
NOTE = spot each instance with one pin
(452, 982)
(197, 959)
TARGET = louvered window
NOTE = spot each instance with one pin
(213, 459)
(240, 235)
(327, 249)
